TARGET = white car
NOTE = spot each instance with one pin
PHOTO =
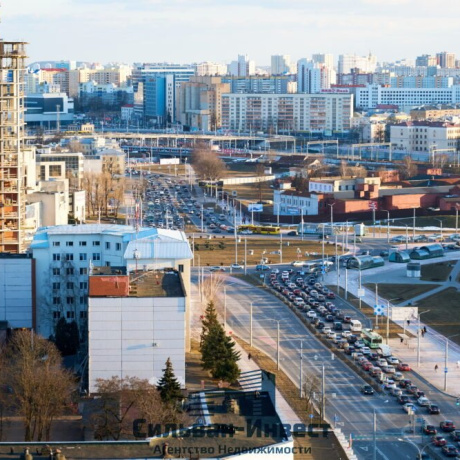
(346, 334)
(311, 314)
(393, 361)
(246, 232)
(297, 263)
(422, 401)
(236, 266)
(326, 330)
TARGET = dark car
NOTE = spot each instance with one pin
(384, 254)
(447, 426)
(455, 435)
(367, 390)
(433, 409)
(430, 429)
(439, 441)
(320, 325)
(349, 350)
(405, 383)
(403, 399)
(449, 450)
(338, 326)
(292, 233)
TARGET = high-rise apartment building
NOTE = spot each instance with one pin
(280, 64)
(445, 60)
(313, 77)
(243, 67)
(347, 62)
(425, 60)
(12, 124)
(210, 69)
(326, 59)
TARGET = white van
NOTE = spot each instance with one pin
(355, 325)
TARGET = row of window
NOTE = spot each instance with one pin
(70, 257)
(69, 314)
(70, 285)
(70, 271)
(84, 243)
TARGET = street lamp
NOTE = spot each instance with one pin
(446, 359)
(418, 336)
(420, 451)
(332, 215)
(388, 225)
(388, 319)
(407, 237)
(440, 221)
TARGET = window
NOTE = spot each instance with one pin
(56, 243)
(56, 286)
(56, 300)
(96, 243)
(56, 271)
(107, 264)
(69, 285)
(107, 245)
(83, 255)
(69, 271)
(56, 314)
(181, 268)
(83, 315)
(96, 256)
(84, 285)
(82, 299)
(70, 315)
(83, 271)
(56, 257)
(69, 257)
(82, 243)
(118, 246)
(69, 243)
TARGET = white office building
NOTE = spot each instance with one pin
(405, 98)
(64, 255)
(292, 203)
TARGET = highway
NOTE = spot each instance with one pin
(344, 402)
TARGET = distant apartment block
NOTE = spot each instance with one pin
(301, 112)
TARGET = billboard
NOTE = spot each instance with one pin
(403, 313)
(169, 161)
(255, 207)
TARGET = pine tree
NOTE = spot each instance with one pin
(168, 386)
(210, 319)
(218, 354)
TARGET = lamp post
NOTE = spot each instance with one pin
(413, 227)
(388, 225)
(388, 319)
(419, 451)
(456, 219)
(332, 215)
(407, 237)
(440, 221)
(418, 337)
(446, 354)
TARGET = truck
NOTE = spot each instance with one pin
(384, 350)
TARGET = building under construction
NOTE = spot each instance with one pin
(12, 126)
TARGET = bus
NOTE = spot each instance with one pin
(355, 325)
(259, 229)
(371, 339)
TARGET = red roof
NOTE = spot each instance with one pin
(54, 70)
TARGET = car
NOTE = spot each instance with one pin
(398, 376)
(449, 450)
(438, 441)
(396, 392)
(292, 233)
(297, 263)
(330, 295)
(405, 383)
(403, 367)
(447, 426)
(262, 268)
(423, 401)
(409, 407)
(217, 269)
(392, 360)
(430, 429)
(455, 435)
(433, 409)
(384, 254)
(388, 369)
(320, 325)
(403, 399)
(367, 390)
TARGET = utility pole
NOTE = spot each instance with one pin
(346, 283)
(245, 252)
(278, 345)
(250, 326)
(413, 228)
(374, 435)
(301, 368)
(323, 398)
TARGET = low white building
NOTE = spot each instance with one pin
(427, 137)
(292, 203)
(65, 253)
(136, 322)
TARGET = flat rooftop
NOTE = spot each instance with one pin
(115, 282)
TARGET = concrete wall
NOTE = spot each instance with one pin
(130, 336)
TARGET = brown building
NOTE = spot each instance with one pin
(433, 112)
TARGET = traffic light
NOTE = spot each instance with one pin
(457, 402)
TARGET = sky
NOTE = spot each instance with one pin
(186, 31)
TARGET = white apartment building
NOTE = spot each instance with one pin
(405, 98)
(292, 203)
(328, 112)
(427, 137)
(366, 64)
(314, 77)
(326, 59)
(280, 64)
(64, 255)
(135, 323)
(207, 68)
(243, 67)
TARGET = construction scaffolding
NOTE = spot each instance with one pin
(12, 126)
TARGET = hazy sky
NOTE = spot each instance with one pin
(195, 30)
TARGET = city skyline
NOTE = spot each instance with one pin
(180, 31)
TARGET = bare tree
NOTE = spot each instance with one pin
(260, 184)
(31, 366)
(75, 146)
(407, 168)
(343, 169)
(311, 388)
(207, 163)
(212, 287)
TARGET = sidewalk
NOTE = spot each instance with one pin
(433, 344)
